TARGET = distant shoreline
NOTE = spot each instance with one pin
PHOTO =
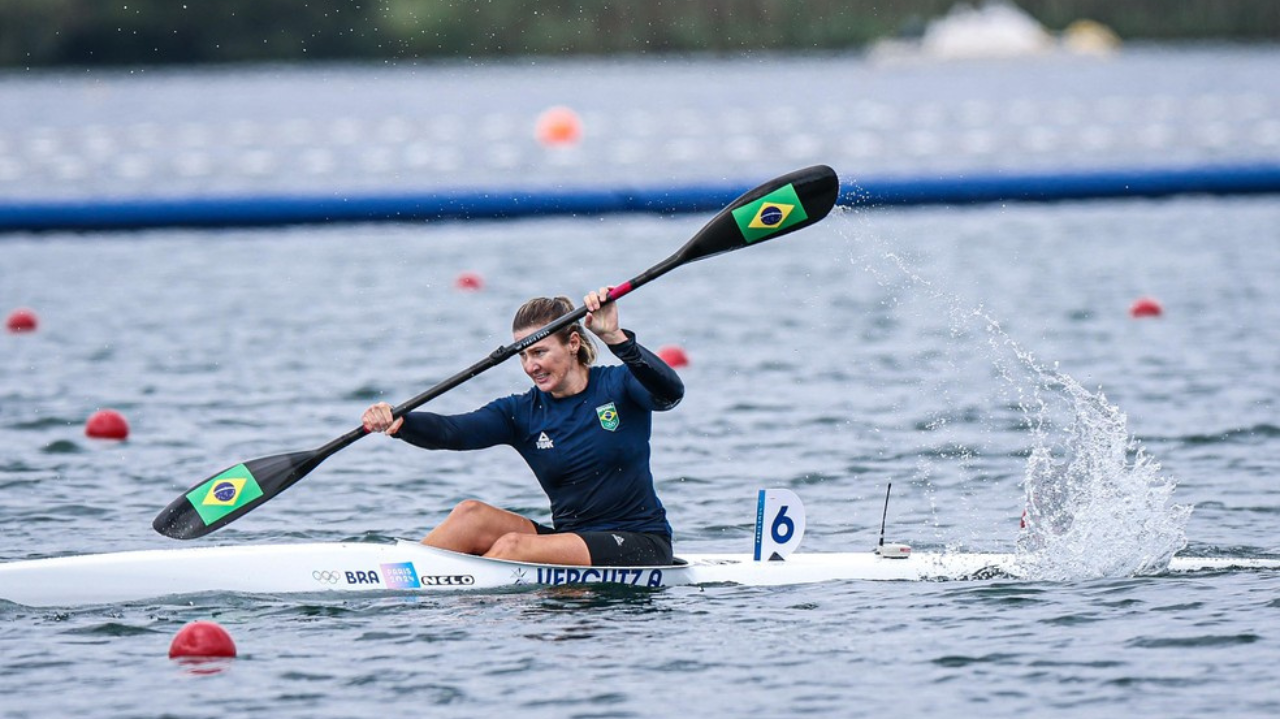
(88, 33)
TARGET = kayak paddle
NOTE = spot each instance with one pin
(780, 206)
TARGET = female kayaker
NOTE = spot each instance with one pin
(584, 432)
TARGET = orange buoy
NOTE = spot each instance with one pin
(674, 355)
(106, 424)
(469, 281)
(202, 639)
(558, 126)
(1145, 307)
(22, 320)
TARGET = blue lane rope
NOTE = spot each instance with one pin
(952, 189)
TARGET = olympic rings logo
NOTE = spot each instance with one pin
(326, 577)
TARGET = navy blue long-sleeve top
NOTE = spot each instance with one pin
(590, 451)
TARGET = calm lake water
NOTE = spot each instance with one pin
(937, 349)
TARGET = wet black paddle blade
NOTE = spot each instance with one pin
(232, 493)
(776, 208)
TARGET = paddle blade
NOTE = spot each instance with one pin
(778, 207)
(233, 493)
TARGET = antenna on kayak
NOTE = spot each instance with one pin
(884, 515)
(890, 551)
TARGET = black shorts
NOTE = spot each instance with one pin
(623, 549)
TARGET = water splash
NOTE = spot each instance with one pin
(1097, 504)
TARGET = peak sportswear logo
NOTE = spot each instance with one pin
(618, 539)
(544, 442)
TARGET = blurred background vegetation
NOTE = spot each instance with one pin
(50, 33)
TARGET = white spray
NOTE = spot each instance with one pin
(1096, 502)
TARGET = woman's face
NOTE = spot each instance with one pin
(551, 363)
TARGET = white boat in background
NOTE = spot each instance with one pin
(995, 29)
(354, 568)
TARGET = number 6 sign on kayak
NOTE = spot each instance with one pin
(779, 524)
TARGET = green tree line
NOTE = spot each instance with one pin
(51, 33)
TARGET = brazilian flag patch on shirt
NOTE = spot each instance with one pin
(608, 415)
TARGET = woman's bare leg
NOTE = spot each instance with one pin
(564, 548)
(473, 527)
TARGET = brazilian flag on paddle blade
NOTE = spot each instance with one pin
(772, 213)
(224, 494)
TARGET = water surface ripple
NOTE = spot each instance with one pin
(830, 362)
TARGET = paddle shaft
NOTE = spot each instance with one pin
(776, 208)
(502, 354)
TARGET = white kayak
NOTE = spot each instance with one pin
(402, 566)
(409, 567)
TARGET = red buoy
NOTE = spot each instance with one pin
(22, 320)
(674, 355)
(558, 126)
(1145, 307)
(202, 639)
(106, 424)
(469, 282)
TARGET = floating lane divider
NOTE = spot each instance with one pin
(88, 214)
(974, 188)
(290, 209)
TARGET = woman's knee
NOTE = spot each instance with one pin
(469, 508)
(509, 546)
